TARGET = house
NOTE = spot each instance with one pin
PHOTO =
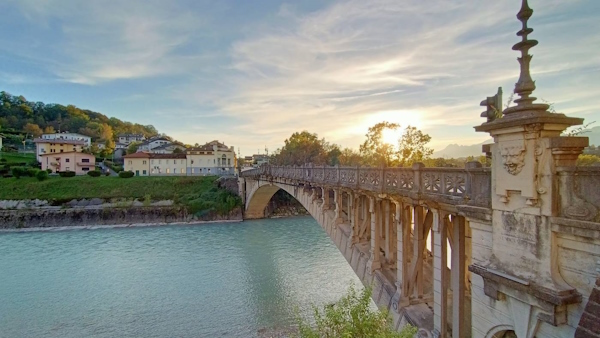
(167, 148)
(127, 139)
(46, 146)
(213, 158)
(153, 143)
(80, 163)
(87, 141)
(120, 145)
(150, 164)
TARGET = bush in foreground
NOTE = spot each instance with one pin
(31, 172)
(94, 173)
(41, 175)
(66, 173)
(126, 174)
(17, 172)
(352, 316)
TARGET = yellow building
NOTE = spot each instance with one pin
(56, 146)
(78, 162)
(149, 164)
(213, 158)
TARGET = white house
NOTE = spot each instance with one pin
(130, 138)
(153, 143)
(87, 141)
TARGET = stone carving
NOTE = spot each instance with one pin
(513, 158)
(493, 105)
(583, 211)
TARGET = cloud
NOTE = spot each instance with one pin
(330, 70)
(106, 40)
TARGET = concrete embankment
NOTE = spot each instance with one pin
(45, 216)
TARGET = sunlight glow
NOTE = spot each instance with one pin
(392, 136)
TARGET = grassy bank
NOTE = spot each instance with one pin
(198, 194)
(16, 158)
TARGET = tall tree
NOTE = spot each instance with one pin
(412, 147)
(376, 152)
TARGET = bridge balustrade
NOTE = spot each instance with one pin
(470, 185)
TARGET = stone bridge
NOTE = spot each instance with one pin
(509, 250)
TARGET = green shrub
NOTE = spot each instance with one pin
(66, 173)
(126, 174)
(49, 171)
(107, 173)
(3, 160)
(31, 172)
(94, 173)
(41, 175)
(352, 316)
(17, 172)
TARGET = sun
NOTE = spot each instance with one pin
(392, 136)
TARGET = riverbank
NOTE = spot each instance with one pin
(96, 216)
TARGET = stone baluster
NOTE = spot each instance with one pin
(375, 211)
(440, 275)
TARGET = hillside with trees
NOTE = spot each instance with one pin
(31, 119)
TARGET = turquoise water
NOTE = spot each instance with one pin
(211, 280)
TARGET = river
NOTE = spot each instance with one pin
(208, 280)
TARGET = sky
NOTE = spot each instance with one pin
(250, 73)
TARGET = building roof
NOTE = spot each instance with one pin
(68, 152)
(152, 155)
(131, 135)
(66, 133)
(59, 140)
(164, 146)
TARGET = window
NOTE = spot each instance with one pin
(158, 161)
(143, 162)
(74, 149)
(174, 161)
(168, 170)
(85, 169)
(85, 160)
(144, 172)
(67, 160)
(129, 162)
(229, 162)
(67, 169)
(192, 161)
(61, 150)
(182, 171)
(152, 161)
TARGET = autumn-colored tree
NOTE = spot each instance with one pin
(49, 130)
(375, 151)
(33, 129)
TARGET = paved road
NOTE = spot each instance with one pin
(104, 168)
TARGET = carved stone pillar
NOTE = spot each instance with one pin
(375, 210)
(440, 275)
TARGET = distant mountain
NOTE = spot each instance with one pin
(457, 151)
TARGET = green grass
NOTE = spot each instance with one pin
(199, 194)
(62, 188)
(16, 157)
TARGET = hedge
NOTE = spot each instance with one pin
(66, 173)
(94, 173)
(126, 174)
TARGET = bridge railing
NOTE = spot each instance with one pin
(471, 185)
(579, 193)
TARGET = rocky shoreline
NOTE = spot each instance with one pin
(18, 215)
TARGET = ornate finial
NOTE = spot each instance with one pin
(525, 86)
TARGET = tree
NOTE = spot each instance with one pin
(412, 147)
(33, 129)
(133, 147)
(588, 160)
(177, 151)
(376, 152)
(49, 130)
(302, 148)
(350, 157)
(352, 316)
